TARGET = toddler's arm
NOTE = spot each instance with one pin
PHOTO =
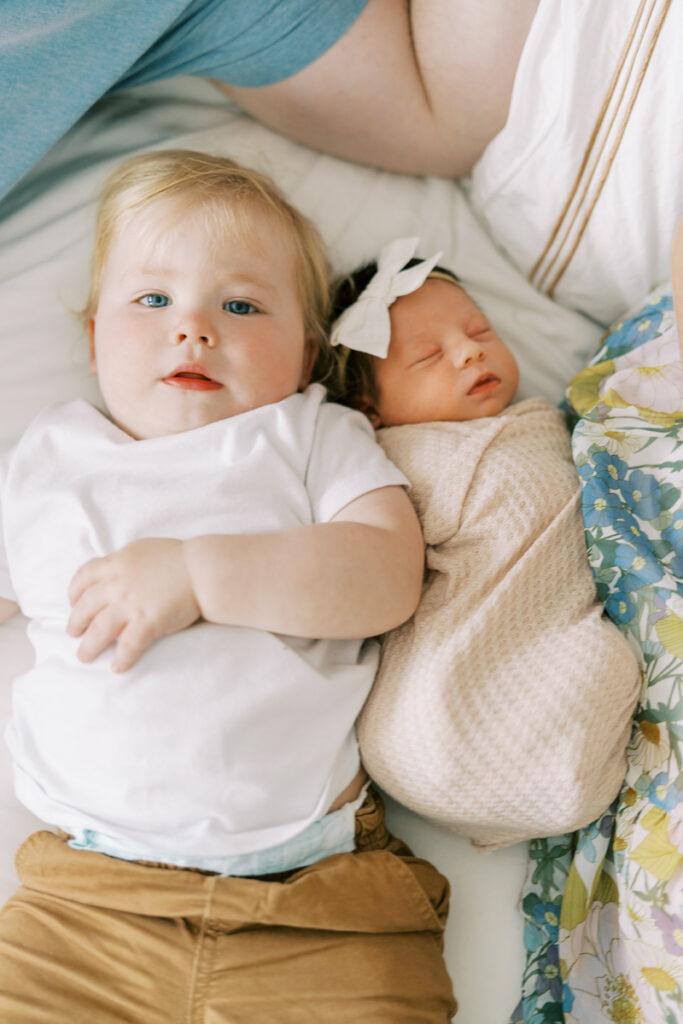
(356, 576)
(7, 609)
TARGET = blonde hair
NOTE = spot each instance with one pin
(213, 180)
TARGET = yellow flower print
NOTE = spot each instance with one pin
(669, 632)
(650, 743)
(656, 853)
(620, 1002)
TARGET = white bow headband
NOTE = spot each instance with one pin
(365, 326)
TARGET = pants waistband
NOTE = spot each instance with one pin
(342, 891)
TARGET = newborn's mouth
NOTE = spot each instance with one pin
(486, 382)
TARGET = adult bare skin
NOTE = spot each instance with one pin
(417, 86)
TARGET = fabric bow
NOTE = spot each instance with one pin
(365, 326)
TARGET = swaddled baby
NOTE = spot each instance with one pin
(502, 708)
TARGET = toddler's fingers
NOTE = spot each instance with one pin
(100, 633)
(89, 603)
(132, 642)
(83, 578)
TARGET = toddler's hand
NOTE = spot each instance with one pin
(131, 598)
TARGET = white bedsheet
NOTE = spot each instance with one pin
(44, 253)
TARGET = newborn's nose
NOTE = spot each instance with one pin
(467, 351)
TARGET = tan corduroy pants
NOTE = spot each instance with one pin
(89, 939)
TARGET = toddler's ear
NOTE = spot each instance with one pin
(366, 405)
(91, 336)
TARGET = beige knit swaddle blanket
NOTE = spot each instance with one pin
(502, 709)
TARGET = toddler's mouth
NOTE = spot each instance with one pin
(191, 378)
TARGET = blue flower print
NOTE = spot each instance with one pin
(527, 1013)
(599, 503)
(628, 528)
(607, 465)
(674, 533)
(567, 999)
(585, 470)
(549, 977)
(601, 830)
(676, 569)
(638, 567)
(663, 795)
(585, 845)
(620, 606)
(547, 915)
(641, 492)
(632, 333)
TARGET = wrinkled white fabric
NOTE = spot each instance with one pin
(220, 739)
(620, 221)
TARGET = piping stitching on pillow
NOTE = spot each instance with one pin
(601, 160)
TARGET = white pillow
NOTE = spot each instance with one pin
(584, 184)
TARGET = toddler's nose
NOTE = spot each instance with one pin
(195, 328)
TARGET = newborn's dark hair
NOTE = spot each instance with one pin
(353, 375)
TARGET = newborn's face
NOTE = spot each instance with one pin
(445, 362)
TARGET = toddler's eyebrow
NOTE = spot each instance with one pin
(232, 279)
(250, 280)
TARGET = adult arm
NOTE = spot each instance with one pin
(356, 576)
(418, 87)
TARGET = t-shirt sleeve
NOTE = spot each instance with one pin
(6, 588)
(345, 462)
(247, 44)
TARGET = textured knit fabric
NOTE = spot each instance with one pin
(502, 709)
(57, 59)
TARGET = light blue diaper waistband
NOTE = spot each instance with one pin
(335, 833)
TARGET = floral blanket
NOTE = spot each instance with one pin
(603, 907)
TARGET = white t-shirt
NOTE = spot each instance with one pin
(221, 739)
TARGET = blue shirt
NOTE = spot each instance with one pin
(58, 57)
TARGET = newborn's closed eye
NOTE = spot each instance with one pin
(479, 328)
(426, 356)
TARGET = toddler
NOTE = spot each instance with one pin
(502, 709)
(201, 566)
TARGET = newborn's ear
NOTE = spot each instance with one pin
(366, 405)
(91, 336)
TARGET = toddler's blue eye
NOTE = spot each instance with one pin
(154, 301)
(239, 306)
